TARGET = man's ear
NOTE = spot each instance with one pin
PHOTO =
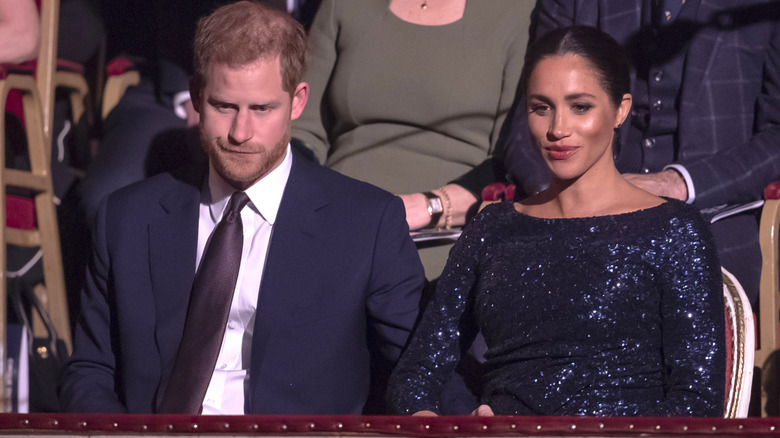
(299, 99)
(195, 92)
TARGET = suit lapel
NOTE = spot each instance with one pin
(173, 238)
(284, 284)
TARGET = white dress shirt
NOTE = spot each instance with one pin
(225, 394)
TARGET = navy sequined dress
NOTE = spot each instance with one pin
(611, 315)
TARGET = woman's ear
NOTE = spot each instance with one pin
(623, 109)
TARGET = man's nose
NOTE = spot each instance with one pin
(241, 129)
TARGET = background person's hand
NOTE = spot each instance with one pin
(668, 183)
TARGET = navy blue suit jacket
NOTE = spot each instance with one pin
(341, 271)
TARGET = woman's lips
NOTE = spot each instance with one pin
(561, 152)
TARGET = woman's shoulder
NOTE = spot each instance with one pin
(676, 221)
(492, 218)
(679, 210)
(497, 211)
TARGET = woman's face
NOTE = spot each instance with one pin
(571, 116)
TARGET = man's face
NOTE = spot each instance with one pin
(245, 118)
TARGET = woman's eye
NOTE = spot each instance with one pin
(538, 109)
(581, 108)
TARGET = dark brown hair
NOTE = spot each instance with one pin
(598, 48)
(244, 32)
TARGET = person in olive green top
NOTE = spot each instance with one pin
(411, 96)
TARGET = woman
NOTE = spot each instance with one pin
(405, 96)
(594, 296)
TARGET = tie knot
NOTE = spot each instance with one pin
(237, 203)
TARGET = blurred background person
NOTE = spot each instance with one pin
(19, 30)
(412, 96)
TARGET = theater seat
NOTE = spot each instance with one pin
(121, 74)
(768, 338)
(740, 347)
(35, 222)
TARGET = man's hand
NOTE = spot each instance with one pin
(668, 183)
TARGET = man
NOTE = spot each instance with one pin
(326, 262)
(148, 131)
(705, 125)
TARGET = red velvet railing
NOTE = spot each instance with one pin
(380, 426)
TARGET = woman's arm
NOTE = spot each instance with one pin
(435, 347)
(456, 202)
(693, 321)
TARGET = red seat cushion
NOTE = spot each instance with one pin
(498, 192)
(118, 66)
(20, 213)
(772, 191)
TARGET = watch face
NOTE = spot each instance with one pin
(435, 205)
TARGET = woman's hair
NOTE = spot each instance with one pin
(599, 49)
(244, 32)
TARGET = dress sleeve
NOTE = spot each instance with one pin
(309, 128)
(447, 324)
(693, 330)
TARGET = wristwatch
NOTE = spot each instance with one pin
(435, 208)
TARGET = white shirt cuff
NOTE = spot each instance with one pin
(687, 178)
(178, 104)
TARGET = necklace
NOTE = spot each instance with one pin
(424, 5)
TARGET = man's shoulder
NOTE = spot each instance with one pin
(178, 183)
(341, 187)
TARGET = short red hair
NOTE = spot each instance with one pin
(241, 33)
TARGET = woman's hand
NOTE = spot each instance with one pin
(416, 210)
(425, 414)
(456, 202)
(483, 411)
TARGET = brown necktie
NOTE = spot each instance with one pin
(207, 314)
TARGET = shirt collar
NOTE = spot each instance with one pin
(265, 195)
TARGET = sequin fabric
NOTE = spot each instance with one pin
(606, 316)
